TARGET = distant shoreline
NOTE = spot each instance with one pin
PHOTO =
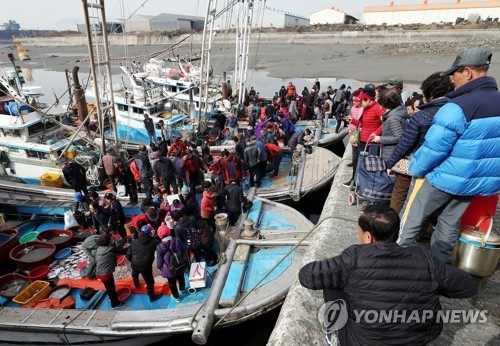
(365, 56)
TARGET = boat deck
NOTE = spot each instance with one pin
(319, 169)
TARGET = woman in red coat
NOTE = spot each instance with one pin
(370, 122)
(209, 206)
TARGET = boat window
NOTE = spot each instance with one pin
(40, 128)
(123, 107)
(12, 133)
(37, 155)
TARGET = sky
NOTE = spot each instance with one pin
(45, 14)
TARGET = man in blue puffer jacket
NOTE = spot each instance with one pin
(460, 157)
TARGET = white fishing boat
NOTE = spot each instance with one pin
(31, 141)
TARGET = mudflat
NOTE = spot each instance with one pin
(321, 58)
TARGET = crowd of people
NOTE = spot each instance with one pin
(450, 139)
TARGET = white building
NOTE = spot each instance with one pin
(331, 15)
(430, 13)
(279, 19)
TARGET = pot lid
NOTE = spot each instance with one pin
(470, 233)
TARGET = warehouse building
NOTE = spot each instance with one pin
(331, 15)
(163, 22)
(166, 21)
(138, 22)
(426, 13)
(280, 19)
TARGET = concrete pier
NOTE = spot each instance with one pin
(298, 321)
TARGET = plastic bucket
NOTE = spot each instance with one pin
(128, 224)
(71, 152)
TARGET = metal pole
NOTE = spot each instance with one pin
(247, 51)
(276, 242)
(300, 177)
(68, 83)
(93, 67)
(108, 71)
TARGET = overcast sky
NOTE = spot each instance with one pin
(44, 14)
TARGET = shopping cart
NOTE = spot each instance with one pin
(371, 181)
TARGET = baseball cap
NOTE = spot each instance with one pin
(184, 190)
(78, 196)
(394, 82)
(476, 56)
(155, 155)
(363, 96)
(146, 229)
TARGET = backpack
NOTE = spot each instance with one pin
(178, 260)
(193, 238)
(135, 171)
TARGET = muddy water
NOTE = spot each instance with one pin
(57, 240)
(34, 254)
(13, 288)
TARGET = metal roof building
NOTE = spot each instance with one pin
(331, 15)
(167, 21)
(138, 22)
(276, 18)
(430, 13)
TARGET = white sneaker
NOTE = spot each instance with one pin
(178, 300)
(184, 292)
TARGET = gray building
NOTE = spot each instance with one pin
(280, 19)
(138, 22)
(167, 21)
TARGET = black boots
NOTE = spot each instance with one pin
(153, 296)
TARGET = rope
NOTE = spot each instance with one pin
(276, 265)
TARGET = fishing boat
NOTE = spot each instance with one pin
(32, 141)
(132, 102)
(311, 170)
(256, 267)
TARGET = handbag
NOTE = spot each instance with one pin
(402, 166)
(354, 139)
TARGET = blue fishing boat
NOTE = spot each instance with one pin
(255, 269)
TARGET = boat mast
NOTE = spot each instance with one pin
(206, 46)
(243, 32)
(101, 45)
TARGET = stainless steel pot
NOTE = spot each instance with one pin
(476, 252)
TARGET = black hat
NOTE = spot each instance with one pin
(471, 57)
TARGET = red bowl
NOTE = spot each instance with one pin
(31, 263)
(123, 294)
(39, 272)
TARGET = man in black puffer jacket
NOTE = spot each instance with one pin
(382, 277)
(141, 255)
